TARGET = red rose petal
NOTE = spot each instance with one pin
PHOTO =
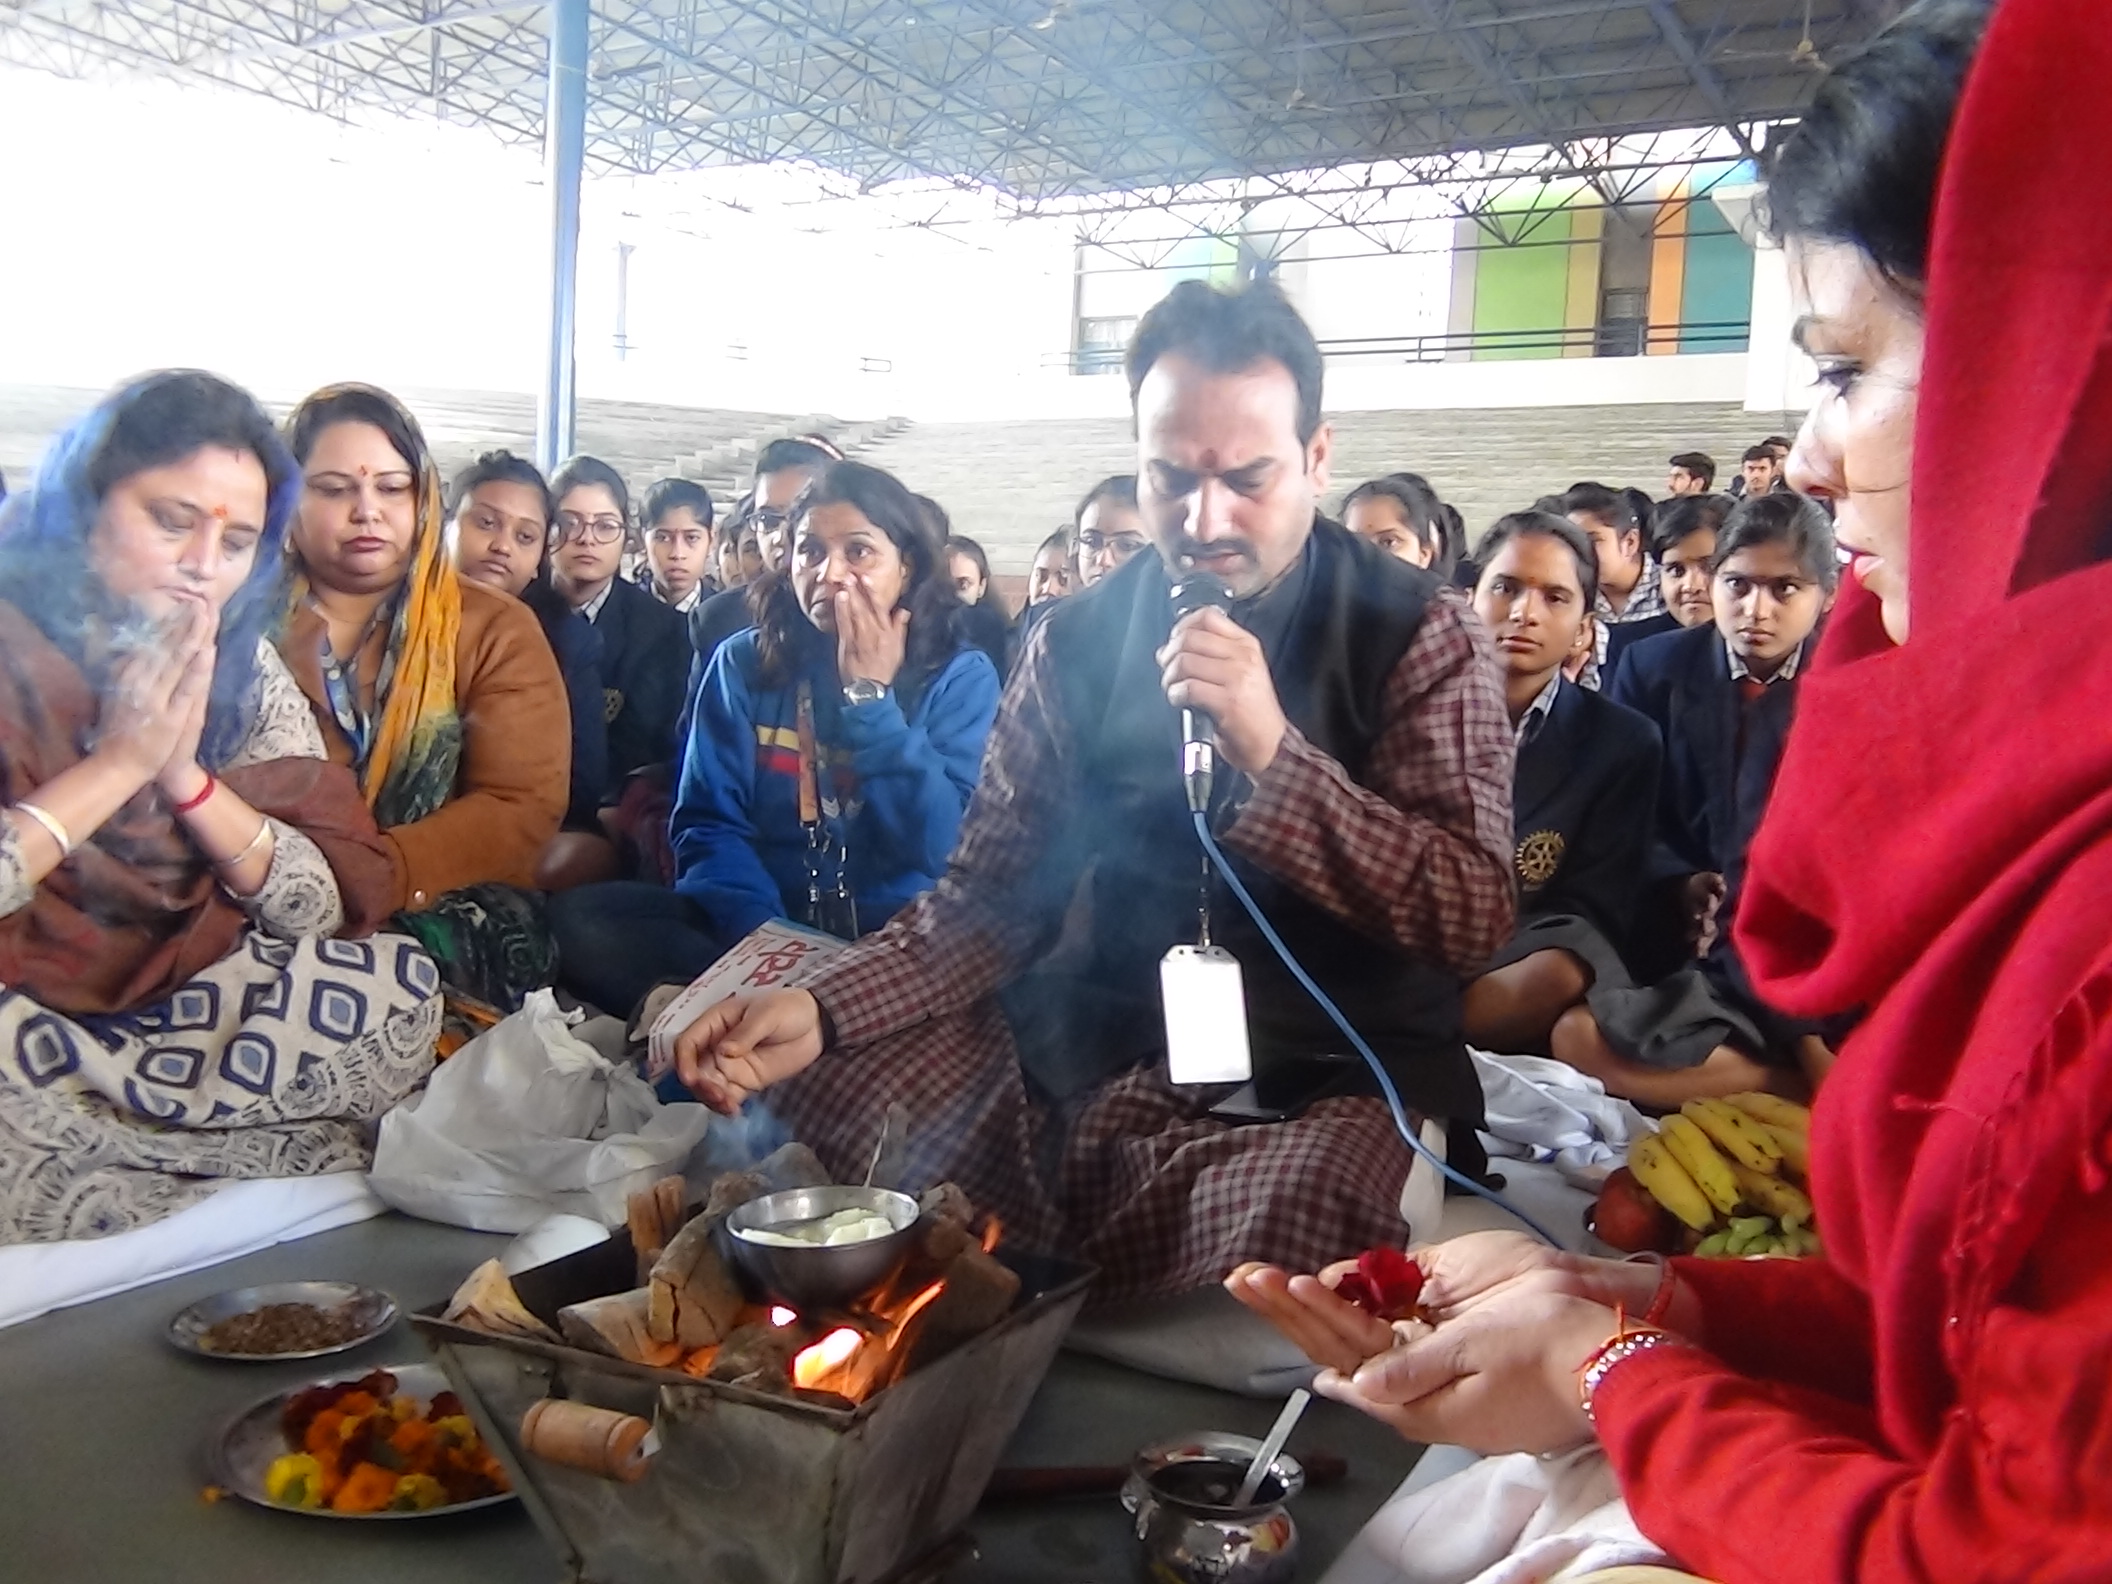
(1396, 1278)
(1386, 1283)
(1357, 1289)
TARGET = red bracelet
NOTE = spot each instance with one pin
(211, 786)
(1667, 1285)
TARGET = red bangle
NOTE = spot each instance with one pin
(1667, 1285)
(211, 786)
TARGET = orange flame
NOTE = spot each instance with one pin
(913, 1308)
(993, 1229)
(812, 1365)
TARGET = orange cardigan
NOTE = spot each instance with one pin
(516, 748)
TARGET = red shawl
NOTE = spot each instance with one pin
(136, 911)
(1938, 853)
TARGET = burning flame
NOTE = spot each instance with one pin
(913, 1308)
(854, 1363)
(857, 1360)
(812, 1365)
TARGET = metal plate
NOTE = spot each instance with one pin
(240, 1454)
(376, 1310)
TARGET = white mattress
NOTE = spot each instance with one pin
(36, 1278)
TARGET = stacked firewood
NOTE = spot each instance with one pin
(689, 1312)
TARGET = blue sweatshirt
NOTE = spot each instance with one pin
(902, 780)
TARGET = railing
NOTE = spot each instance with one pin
(1619, 338)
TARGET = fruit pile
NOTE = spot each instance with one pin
(1720, 1178)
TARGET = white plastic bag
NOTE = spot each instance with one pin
(525, 1120)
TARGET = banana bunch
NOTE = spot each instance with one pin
(1731, 1170)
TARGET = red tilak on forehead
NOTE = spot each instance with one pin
(220, 512)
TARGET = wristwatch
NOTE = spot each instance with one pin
(864, 690)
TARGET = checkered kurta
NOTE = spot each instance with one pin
(1137, 1177)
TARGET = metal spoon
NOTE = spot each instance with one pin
(887, 1120)
(1272, 1448)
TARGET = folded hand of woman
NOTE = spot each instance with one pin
(155, 709)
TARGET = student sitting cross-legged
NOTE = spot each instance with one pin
(1584, 795)
(1722, 697)
(833, 752)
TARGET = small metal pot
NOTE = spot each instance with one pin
(1180, 1493)
(820, 1278)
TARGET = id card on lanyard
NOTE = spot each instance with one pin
(830, 907)
(341, 688)
(1205, 999)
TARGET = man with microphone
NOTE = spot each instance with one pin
(1361, 789)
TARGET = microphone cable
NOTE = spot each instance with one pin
(1356, 1040)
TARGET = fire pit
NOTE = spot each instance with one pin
(827, 1448)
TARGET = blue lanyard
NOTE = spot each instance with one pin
(343, 694)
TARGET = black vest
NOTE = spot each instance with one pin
(1334, 631)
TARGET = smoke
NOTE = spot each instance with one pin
(735, 1143)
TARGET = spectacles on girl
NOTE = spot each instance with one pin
(594, 530)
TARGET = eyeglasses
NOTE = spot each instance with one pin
(594, 530)
(770, 518)
(1123, 544)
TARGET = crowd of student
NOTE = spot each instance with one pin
(601, 745)
(305, 749)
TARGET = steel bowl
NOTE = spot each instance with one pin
(816, 1277)
(373, 1309)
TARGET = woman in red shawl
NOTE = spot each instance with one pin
(1929, 1400)
(179, 862)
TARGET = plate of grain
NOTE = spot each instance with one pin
(287, 1320)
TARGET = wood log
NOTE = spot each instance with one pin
(618, 1326)
(793, 1166)
(730, 1190)
(487, 1302)
(695, 1299)
(654, 1214)
(980, 1291)
(946, 1202)
(759, 1357)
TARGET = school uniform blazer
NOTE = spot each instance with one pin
(1710, 800)
(1623, 636)
(1584, 808)
(644, 668)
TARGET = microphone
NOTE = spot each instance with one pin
(1199, 591)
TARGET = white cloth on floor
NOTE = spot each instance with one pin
(1540, 1109)
(1503, 1520)
(242, 1217)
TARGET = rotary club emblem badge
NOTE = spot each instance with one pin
(1539, 856)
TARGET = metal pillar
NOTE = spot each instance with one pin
(564, 151)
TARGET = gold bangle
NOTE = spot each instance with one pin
(256, 841)
(52, 827)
